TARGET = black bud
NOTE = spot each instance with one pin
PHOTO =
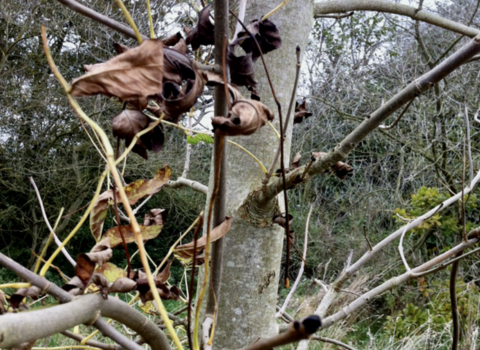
(312, 324)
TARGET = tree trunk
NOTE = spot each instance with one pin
(253, 247)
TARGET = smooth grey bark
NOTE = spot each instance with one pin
(338, 6)
(253, 246)
(29, 326)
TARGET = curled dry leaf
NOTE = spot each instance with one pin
(172, 39)
(148, 232)
(341, 170)
(181, 46)
(16, 299)
(214, 79)
(132, 76)
(241, 69)
(246, 117)
(301, 112)
(102, 283)
(179, 99)
(130, 122)
(122, 285)
(101, 252)
(83, 270)
(99, 213)
(144, 188)
(135, 191)
(75, 286)
(165, 294)
(267, 35)
(186, 251)
(282, 220)
(164, 275)
(203, 33)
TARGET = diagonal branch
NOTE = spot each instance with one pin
(412, 90)
(338, 6)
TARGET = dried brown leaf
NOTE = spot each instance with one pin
(164, 275)
(75, 286)
(144, 188)
(301, 112)
(101, 252)
(148, 232)
(296, 160)
(186, 250)
(102, 283)
(122, 285)
(181, 46)
(84, 270)
(132, 76)
(341, 170)
(267, 35)
(172, 39)
(203, 33)
(241, 69)
(246, 117)
(16, 299)
(99, 214)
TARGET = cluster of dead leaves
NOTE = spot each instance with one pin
(151, 71)
(135, 191)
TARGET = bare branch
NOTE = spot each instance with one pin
(111, 23)
(339, 6)
(415, 88)
(181, 182)
(57, 240)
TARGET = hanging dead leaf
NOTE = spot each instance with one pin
(101, 252)
(241, 69)
(75, 286)
(203, 33)
(214, 79)
(165, 294)
(186, 250)
(132, 76)
(341, 170)
(119, 48)
(181, 46)
(301, 112)
(111, 272)
(159, 216)
(144, 188)
(164, 275)
(129, 123)
(16, 299)
(154, 139)
(122, 285)
(178, 100)
(281, 219)
(172, 39)
(267, 35)
(246, 117)
(148, 232)
(99, 214)
(84, 270)
(296, 161)
(102, 283)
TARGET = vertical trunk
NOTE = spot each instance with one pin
(253, 247)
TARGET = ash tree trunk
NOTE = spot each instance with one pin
(253, 247)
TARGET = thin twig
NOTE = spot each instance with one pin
(453, 303)
(388, 127)
(336, 17)
(55, 237)
(469, 144)
(302, 266)
(115, 209)
(400, 249)
(366, 238)
(190, 286)
(290, 108)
